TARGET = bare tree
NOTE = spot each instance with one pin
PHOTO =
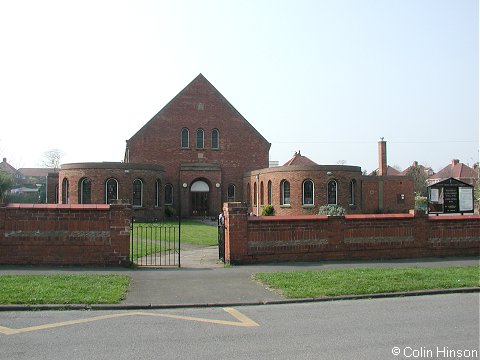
(51, 158)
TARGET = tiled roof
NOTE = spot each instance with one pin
(31, 172)
(5, 166)
(299, 159)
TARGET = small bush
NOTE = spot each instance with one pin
(331, 210)
(268, 210)
(169, 211)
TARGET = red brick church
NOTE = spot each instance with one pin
(199, 152)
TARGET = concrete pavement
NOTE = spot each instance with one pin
(204, 281)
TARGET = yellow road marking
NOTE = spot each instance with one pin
(243, 321)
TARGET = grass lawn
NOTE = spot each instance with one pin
(63, 289)
(164, 236)
(322, 283)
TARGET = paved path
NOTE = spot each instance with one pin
(203, 280)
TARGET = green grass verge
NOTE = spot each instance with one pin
(313, 284)
(192, 232)
(63, 289)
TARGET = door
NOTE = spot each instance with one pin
(199, 203)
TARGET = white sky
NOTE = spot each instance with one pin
(328, 78)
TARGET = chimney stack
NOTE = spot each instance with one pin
(455, 162)
(4, 160)
(382, 157)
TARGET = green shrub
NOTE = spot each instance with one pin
(169, 211)
(331, 210)
(268, 210)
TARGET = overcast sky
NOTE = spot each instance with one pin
(328, 78)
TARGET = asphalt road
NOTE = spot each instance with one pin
(415, 327)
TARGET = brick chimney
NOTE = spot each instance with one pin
(4, 160)
(382, 157)
(455, 162)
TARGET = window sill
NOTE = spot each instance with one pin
(308, 206)
(286, 206)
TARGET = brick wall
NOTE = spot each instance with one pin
(373, 194)
(308, 238)
(48, 234)
(200, 105)
(125, 175)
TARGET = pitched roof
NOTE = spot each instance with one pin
(299, 159)
(391, 171)
(5, 166)
(456, 170)
(200, 78)
(32, 172)
(428, 171)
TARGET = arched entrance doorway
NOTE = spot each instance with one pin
(199, 198)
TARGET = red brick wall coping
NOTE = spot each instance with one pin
(59, 206)
(288, 218)
(454, 217)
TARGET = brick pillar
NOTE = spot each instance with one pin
(3, 214)
(120, 216)
(236, 232)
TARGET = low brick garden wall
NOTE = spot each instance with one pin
(250, 239)
(63, 234)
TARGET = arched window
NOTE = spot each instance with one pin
(248, 194)
(65, 191)
(200, 138)
(137, 193)
(269, 192)
(158, 186)
(231, 193)
(111, 190)
(353, 192)
(262, 197)
(332, 192)
(85, 193)
(169, 194)
(307, 192)
(185, 139)
(255, 193)
(215, 139)
(284, 193)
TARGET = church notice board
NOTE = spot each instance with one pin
(450, 196)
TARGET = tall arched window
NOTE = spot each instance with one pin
(215, 139)
(65, 191)
(137, 193)
(169, 194)
(248, 194)
(332, 192)
(111, 190)
(255, 194)
(231, 192)
(353, 192)
(269, 192)
(284, 193)
(185, 139)
(158, 187)
(307, 192)
(85, 193)
(262, 197)
(200, 138)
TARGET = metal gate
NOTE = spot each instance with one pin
(154, 244)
